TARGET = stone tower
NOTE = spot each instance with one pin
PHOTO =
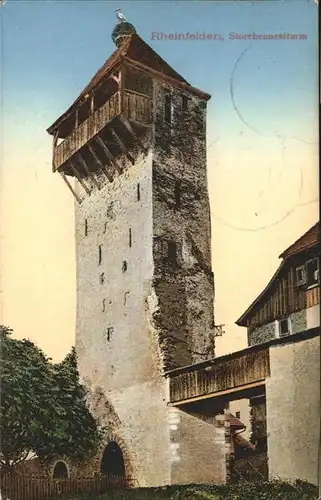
(132, 149)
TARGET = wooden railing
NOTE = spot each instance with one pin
(241, 370)
(133, 106)
(26, 487)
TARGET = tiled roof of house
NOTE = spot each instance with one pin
(236, 422)
(308, 240)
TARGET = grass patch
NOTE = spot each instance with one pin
(268, 490)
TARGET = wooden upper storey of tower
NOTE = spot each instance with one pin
(121, 91)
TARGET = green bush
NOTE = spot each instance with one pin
(268, 490)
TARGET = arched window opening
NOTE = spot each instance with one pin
(60, 471)
(112, 463)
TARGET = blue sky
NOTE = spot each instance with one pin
(52, 48)
(262, 171)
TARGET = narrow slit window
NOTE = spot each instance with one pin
(171, 252)
(185, 101)
(86, 227)
(124, 266)
(109, 333)
(104, 305)
(168, 108)
(99, 255)
(138, 192)
(130, 237)
(178, 194)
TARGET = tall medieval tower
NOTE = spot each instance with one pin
(132, 149)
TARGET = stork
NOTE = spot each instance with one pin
(120, 15)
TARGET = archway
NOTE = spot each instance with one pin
(112, 462)
(60, 471)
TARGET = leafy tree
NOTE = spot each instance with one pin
(43, 411)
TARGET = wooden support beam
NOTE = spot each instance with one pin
(101, 165)
(80, 180)
(122, 146)
(90, 174)
(70, 187)
(109, 155)
(130, 129)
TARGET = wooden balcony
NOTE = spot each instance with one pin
(136, 108)
(223, 376)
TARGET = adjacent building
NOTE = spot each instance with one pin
(286, 315)
(290, 303)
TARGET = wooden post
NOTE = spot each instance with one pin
(76, 118)
(92, 103)
(70, 187)
(122, 81)
(54, 145)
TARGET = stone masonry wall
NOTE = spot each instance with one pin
(268, 331)
(181, 218)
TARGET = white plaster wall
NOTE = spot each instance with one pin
(293, 410)
(126, 366)
(313, 316)
(98, 358)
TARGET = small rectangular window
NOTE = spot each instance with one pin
(312, 272)
(124, 266)
(301, 277)
(130, 237)
(104, 305)
(284, 327)
(99, 255)
(168, 108)
(238, 414)
(138, 192)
